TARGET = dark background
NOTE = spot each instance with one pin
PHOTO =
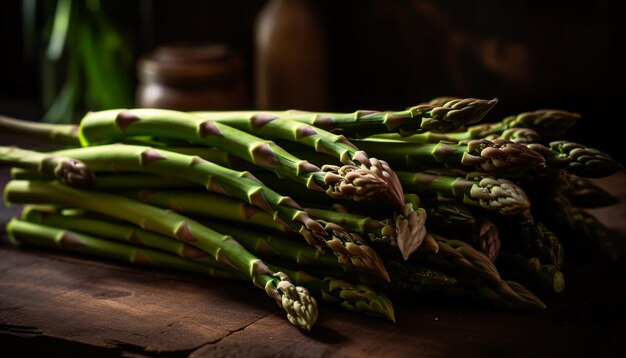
(393, 54)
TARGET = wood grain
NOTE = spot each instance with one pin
(110, 305)
(133, 310)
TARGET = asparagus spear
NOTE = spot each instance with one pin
(209, 205)
(348, 181)
(478, 276)
(578, 159)
(516, 135)
(120, 231)
(68, 170)
(534, 239)
(238, 184)
(356, 298)
(475, 189)
(301, 308)
(486, 238)
(462, 260)
(549, 123)
(450, 217)
(546, 278)
(61, 134)
(499, 157)
(353, 297)
(36, 234)
(220, 207)
(406, 230)
(444, 116)
(258, 243)
(418, 278)
(272, 126)
(117, 181)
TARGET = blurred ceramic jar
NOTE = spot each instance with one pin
(192, 77)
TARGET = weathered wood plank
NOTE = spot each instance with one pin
(139, 310)
(581, 322)
(107, 305)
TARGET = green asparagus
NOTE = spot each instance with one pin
(444, 116)
(545, 278)
(356, 298)
(36, 234)
(499, 157)
(60, 134)
(578, 159)
(347, 181)
(478, 277)
(68, 170)
(550, 124)
(118, 157)
(301, 308)
(475, 189)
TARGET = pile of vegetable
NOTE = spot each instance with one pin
(307, 206)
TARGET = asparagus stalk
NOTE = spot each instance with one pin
(265, 245)
(349, 248)
(421, 278)
(486, 238)
(454, 220)
(478, 276)
(348, 181)
(462, 260)
(450, 217)
(578, 159)
(60, 134)
(405, 231)
(507, 294)
(408, 220)
(475, 189)
(41, 235)
(516, 135)
(499, 157)
(121, 231)
(546, 278)
(534, 239)
(353, 297)
(68, 170)
(550, 124)
(238, 184)
(444, 116)
(418, 278)
(301, 308)
(117, 181)
(209, 205)
(356, 298)
(274, 127)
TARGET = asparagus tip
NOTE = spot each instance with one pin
(301, 307)
(410, 229)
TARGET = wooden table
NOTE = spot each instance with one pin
(55, 304)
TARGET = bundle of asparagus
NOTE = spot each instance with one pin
(307, 205)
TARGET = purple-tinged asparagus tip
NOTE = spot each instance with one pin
(410, 229)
